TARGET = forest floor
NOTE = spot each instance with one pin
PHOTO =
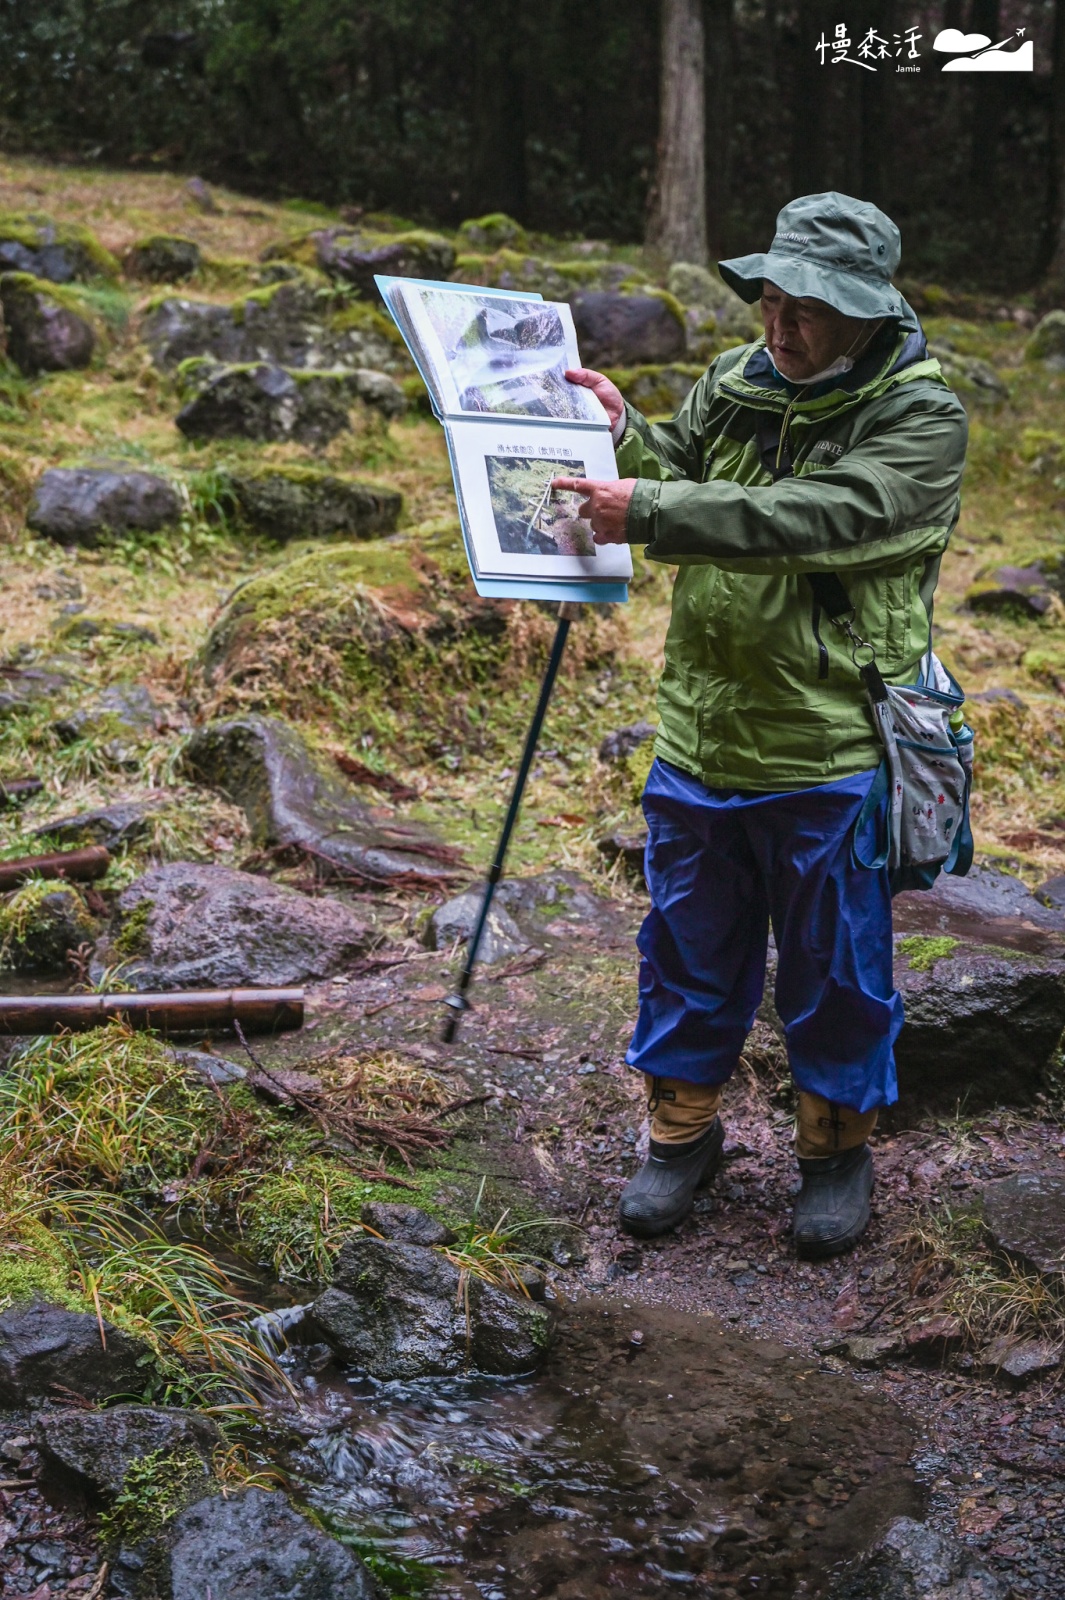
(550, 1123)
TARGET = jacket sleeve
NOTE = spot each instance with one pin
(668, 450)
(894, 494)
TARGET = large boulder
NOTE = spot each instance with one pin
(356, 257)
(914, 1562)
(970, 377)
(61, 252)
(78, 505)
(1025, 1215)
(1047, 342)
(44, 331)
(40, 924)
(496, 231)
(303, 503)
(253, 1545)
(164, 258)
(623, 330)
(269, 402)
(1023, 592)
(405, 1311)
(185, 926)
(290, 324)
(99, 1447)
(45, 1350)
(700, 290)
(291, 800)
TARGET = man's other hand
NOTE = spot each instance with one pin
(608, 394)
(605, 504)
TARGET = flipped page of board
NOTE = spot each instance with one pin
(510, 426)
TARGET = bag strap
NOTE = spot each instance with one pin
(836, 603)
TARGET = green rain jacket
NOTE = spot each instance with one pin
(755, 483)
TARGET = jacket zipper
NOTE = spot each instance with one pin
(822, 652)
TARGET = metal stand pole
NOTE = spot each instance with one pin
(458, 1002)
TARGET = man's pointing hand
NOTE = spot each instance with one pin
(605, 505)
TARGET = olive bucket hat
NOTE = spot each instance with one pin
(827, 247)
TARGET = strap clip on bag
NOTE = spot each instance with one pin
(927, 768)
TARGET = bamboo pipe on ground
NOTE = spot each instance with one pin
(16, 791)
(79, 865)
(191, 1011)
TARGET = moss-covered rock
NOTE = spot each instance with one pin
(1048, 341)
(293, 323)
(555, 280)
(700, 290)
(62, 252)
(657, 390)
(39, 923)
(343, 623)
(624, 330)
(268, 402)
(46, 331)
(80, 505)
(355, 255)
(164, 258)
(304, 503)
(970, 377)
(494, 232)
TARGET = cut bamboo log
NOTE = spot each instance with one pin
(81, 866)
(16, 791)
(192, 1011)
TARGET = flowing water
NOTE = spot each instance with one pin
(688, 1460)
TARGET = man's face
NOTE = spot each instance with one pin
(806, 336)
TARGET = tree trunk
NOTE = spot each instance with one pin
(1054, 237)
(677, 223)
(720, 71)
(808, 103)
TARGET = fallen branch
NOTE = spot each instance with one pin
(191, 1011)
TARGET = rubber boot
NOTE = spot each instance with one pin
(833, 1206)
(684, 1156)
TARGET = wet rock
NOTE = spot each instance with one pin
(38, 940)
(630, 847)
(100, 1446)
(356, 258)
(291, 324)
(1012, 591)
(185, 926)
(254, 1545)
(45, 1349)
(980, 963)
(76, 505)
(263, 766)
(623, 330)
(44, 333)
(870, 1350)
(933, 1338)
(266, 403)
(1047, 342)
(164, 258)
(402, 1311)
(301, 503)
(114, 826)
(623, 741)
(404, 1224)
(1019, 1360)
(913, 1562)
(60, 252)
(118, 714)
(24, 686)
(454, 922)
(1026, 1216)
(212, 1068)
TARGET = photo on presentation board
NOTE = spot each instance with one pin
(516, 524)
(485, 353)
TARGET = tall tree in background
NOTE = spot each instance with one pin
(677, 223)
(720, 75)
(1053, 252)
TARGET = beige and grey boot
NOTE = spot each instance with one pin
(832, 1208)
(685, 1154)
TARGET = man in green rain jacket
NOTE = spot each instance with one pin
(833, 449)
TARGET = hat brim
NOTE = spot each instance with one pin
(848, 292)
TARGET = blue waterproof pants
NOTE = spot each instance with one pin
(721, 865)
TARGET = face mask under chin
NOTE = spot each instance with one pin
(836, 370)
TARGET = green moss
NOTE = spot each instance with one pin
(922, 953)
(34, 1264)
(155, 1490)
(132, 941)
(34, 231)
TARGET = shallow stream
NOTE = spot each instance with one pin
(687, 1460)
